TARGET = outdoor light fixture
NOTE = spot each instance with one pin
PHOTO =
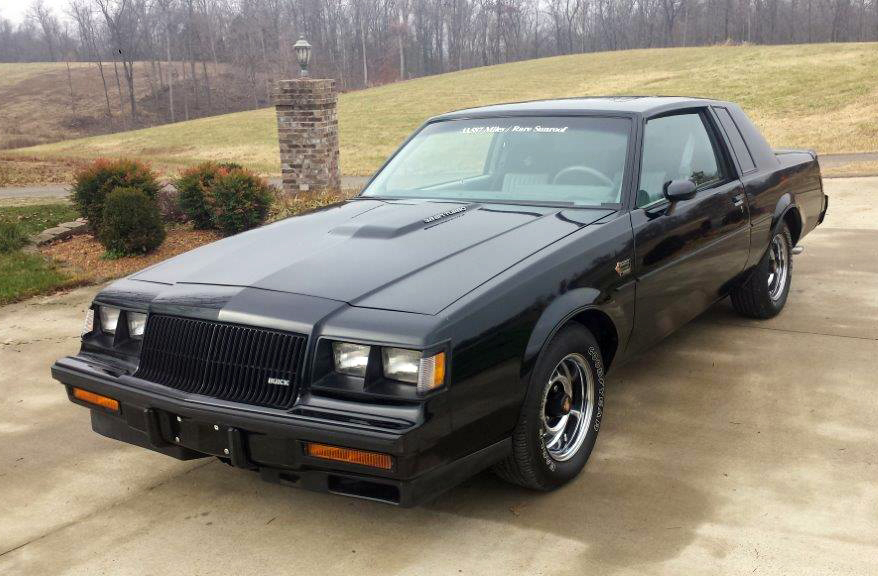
(303, 54)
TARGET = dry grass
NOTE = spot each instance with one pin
(27, 171)
(822, 96)
(37, 107)
(851, 169)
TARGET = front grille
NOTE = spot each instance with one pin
(237, 363)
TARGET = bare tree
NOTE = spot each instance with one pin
(242, 45)
(48, 24)
(124, 19)
(83, 16)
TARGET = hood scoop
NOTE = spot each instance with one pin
(377, 253)
(387, 224)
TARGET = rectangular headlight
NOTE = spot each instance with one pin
(408, 366)
(109, 319)
(350, 358)
(400, 364)
(136, 324)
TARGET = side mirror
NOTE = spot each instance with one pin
(679, 190)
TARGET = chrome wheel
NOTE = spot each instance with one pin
(778, 266)
(567, 407)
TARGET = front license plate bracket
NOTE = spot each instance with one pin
(211, 438)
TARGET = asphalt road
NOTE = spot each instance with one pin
(733, 447)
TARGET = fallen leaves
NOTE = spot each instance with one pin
(82, 256)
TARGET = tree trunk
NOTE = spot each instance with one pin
(128, 68)
(192, 75)
(363, 50)
(119, 89)
(401, 42)
(106, 91)
(206, 85)
(171, 73)
(70, 85)
(185, 85)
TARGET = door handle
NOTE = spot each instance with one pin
(738, 200)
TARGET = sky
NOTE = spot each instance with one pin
(15, 10)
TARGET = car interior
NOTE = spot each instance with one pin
(578, 167)
(675, 147)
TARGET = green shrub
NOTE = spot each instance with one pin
(131, 222)
(240, 200)
(93, 183)
(11, 237)
(193, 189)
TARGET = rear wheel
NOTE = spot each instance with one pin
(562, 413)
(765, 292)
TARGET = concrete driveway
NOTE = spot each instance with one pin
(734, 447)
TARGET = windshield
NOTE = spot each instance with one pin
(567, 160)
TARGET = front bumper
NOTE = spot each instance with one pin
(188, 426)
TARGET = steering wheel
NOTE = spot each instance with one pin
(585, 170)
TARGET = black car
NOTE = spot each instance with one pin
(462, 311)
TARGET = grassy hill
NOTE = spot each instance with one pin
(816, 96)
(35, 100)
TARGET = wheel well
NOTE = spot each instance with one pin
(604, 331)
(794, 222)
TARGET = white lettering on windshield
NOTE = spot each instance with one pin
(503, 129)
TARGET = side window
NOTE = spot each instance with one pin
(736, 140)
(676, 147)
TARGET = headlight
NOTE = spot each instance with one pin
(136, 324)
(408, 366)
(109, 319)
(401, 364)
(350, 358)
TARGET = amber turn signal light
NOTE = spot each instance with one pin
(339, 454)
(96, 399)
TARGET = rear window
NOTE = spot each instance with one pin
(736, 140)
(565, 160)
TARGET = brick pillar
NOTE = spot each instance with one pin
(307, 128)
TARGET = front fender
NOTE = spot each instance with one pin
(555, 315)
(618, 309)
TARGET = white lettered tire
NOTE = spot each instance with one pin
(562, 412)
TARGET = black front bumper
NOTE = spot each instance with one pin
(273, 444)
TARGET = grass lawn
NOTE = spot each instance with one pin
(820, 96)
(34, 219)
(25, 274)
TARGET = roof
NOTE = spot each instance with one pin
(646, 105)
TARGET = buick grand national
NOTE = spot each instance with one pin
(463, 311)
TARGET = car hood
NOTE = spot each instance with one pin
(411, 256)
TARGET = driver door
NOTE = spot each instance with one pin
(686, 251)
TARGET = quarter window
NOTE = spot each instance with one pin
(676, 147)
(736, 140)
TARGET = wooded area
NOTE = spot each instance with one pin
(187, 47)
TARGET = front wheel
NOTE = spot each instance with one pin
(765, 292)
(562, 413)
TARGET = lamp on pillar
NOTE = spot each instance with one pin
(303, 54)
(307, 129)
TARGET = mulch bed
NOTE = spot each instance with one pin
(80, 256)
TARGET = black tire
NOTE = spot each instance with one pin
(755, 298)
(531, 464)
